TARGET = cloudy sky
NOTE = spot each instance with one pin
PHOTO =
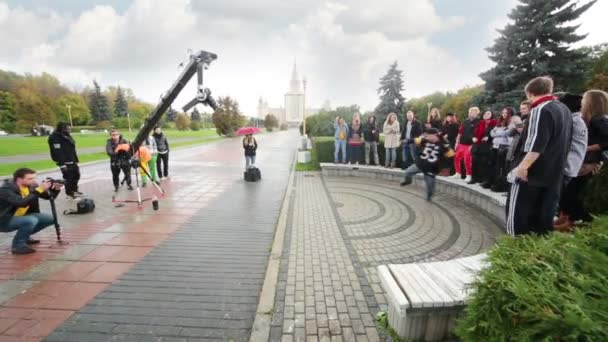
(342, 46)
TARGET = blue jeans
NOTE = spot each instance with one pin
(429, 180)
(249, 160)
(25, 226)
(340, 145)
(391, 157)
(409, 154)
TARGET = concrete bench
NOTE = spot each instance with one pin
(426, 299)
(475, 196)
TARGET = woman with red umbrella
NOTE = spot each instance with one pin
(250, 145)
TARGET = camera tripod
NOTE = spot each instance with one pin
(136, 165)
(55, 221)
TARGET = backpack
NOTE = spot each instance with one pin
(84, 206)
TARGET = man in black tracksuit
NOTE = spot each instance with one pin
(63, 153)
(119, 161)
(541, 156)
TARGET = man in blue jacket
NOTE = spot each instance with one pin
(20, 210)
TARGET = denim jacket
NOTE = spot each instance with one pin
(337, 129)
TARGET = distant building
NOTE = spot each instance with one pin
(294, 106)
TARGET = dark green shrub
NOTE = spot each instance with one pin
(325, 151)
(542, 289)
(596, 198)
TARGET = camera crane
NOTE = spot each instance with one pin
(197, 63)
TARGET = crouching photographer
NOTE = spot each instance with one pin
(20, 210)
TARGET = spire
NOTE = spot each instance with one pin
(295, 85)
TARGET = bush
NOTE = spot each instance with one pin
(182, 122)
(551, 288)
(105, 124)
(195, 126)
(120, 122)
(325, 151)
(284, 127)
(596, 197)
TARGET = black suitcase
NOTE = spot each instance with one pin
(252, 174)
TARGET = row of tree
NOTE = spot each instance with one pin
(537, 41)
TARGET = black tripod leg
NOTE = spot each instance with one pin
(156, 184)
(55, 222)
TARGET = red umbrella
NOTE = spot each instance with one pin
(247, 130)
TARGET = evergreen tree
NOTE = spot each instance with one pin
(8, 111)
(171, 114)
(227, 118)
(195, 116)
(98, 104)
(536, 42)
(391, 100)
(121, 106)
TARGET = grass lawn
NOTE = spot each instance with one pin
(13, 146)
(39, 165)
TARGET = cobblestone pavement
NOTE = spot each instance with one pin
(339, 230)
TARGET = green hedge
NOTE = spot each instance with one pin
(542, 289)
(324, 147)
(596, 198)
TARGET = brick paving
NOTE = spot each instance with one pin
(339, 230)
(153, 274)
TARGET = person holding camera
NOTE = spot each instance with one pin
(63, 153)
(20, 210)
(119, 160)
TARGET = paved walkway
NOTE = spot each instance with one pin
(339, 230)
(192, 270)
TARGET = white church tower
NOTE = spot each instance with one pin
(294, 99)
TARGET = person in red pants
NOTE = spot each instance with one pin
(464, 142)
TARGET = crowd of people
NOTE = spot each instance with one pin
(515, 152)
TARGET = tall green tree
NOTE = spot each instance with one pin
(98, 103)
(537, 41)
(121, 106)
(171, 114)
(75, 105)
(195, 116)
(227, 118)
(8, 111)
(391, 86)
(31, 110)
(270, 122)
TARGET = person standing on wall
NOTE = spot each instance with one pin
(372, 138)
(63, 152)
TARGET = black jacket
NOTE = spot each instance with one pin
(63, 149)
(250, 150)
(414, 133)
(370, 132)
(161, 143)
(11, 199)
(451, 131)
(111, 148)
(598, 135)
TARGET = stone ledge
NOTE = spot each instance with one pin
(489, 202)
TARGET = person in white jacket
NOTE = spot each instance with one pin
(392, 133)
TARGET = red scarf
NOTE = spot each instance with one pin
(543, 99)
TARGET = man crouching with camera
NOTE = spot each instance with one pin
(20, 210)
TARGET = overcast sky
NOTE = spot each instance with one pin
(342, 47)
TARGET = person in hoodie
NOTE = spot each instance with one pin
(150, 167)
(501, 141)
(371, 136)
(162, 160)
(355, 140)
(594, 110)
(464, 144)
(63, 152)
(450, 131)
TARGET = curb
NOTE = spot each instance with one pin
(260, 331)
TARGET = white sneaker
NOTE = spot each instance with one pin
(456, 176)
(468, 179)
